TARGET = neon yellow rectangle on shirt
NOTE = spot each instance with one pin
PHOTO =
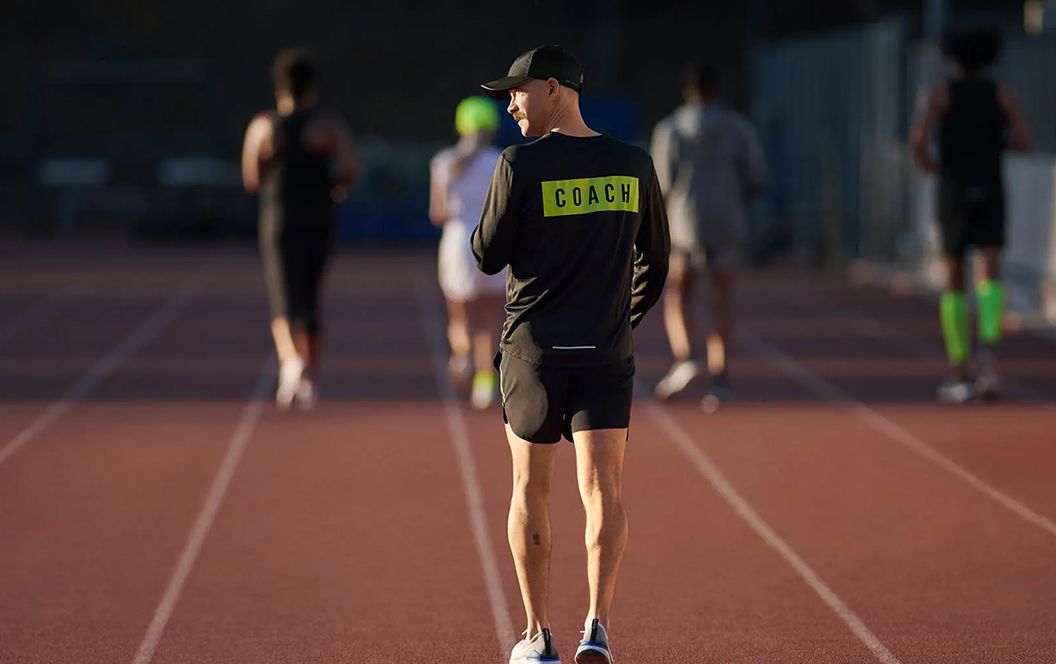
(615, 193)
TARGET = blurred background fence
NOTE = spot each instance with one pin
(127, 117)
(834, 112)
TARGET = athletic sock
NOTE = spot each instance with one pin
(484, 380)
(991, 300)
(954, 314)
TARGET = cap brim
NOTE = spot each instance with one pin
(499, 88)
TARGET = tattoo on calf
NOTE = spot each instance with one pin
(536, 540)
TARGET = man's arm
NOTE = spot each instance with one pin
(754, 175)
(257, 150)
(346, 165)
(437, 191)
(930, 110)
(663, 150)
(1018, 131)
(492, 240)
(652, 250)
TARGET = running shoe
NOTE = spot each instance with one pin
(988, 383)
(539, 649)
(956, 391)
(291, 372)
(484, 387)
(306, 396)
(677, 379)
(459, 369)
(718, 393)
(594, 648)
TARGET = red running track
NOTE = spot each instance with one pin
(154, 507)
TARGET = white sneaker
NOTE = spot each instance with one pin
(594, 648)
(459, 370)
(988, 383)
(956, 391)
(677, 379)
(539, 649)
(290, 374)
(306, 396)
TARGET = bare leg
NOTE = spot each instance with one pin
(529, 525)
(293, 349)
(283, 336)
(314, 345)
(954, 273)
(722, 336)
(458, 328)
(677, 321)
(302, 343)
(484, 321)
(599, 467)
(987, 264)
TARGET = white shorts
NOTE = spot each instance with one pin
(460, 279)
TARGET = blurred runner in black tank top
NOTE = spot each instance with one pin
(977, 119)
(300, 159)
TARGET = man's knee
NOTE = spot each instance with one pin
(530, 487)
(532, 469)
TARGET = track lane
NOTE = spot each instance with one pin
(897, 536)
(91, 512)
(344, 535)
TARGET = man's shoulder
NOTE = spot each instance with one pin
(666, 124)
(443, 158)
(541, 151)
(631, 153)
(739, 121)
(524, 151)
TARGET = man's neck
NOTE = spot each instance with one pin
(698, 101)
(288, 105)
(568, 121)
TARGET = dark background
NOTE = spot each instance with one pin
(134, 84)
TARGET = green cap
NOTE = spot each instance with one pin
(476, 114)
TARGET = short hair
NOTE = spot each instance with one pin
(700, 77)
(973, 48)
(294, 72)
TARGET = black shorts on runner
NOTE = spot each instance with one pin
(542, 402)
(295, 257)
(970, 216)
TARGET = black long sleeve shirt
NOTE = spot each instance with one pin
(581, 224)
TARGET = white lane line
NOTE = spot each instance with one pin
(200, 530)
(833, 394)
(34, 314)
(685, 444)
(467, 468)
(145, 332)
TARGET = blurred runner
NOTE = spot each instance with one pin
(977, 118)
(299, 157)
(579, 220)
(459, 179)
(710, 167)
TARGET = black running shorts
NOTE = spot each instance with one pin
(295, 257)
(970, 217)
(542, 402)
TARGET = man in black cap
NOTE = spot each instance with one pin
(579, 219)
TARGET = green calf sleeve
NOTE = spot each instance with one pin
(991, 298)
(954, 315)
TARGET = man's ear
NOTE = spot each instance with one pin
(553, 87)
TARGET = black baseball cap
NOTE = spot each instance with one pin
(543, 62)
